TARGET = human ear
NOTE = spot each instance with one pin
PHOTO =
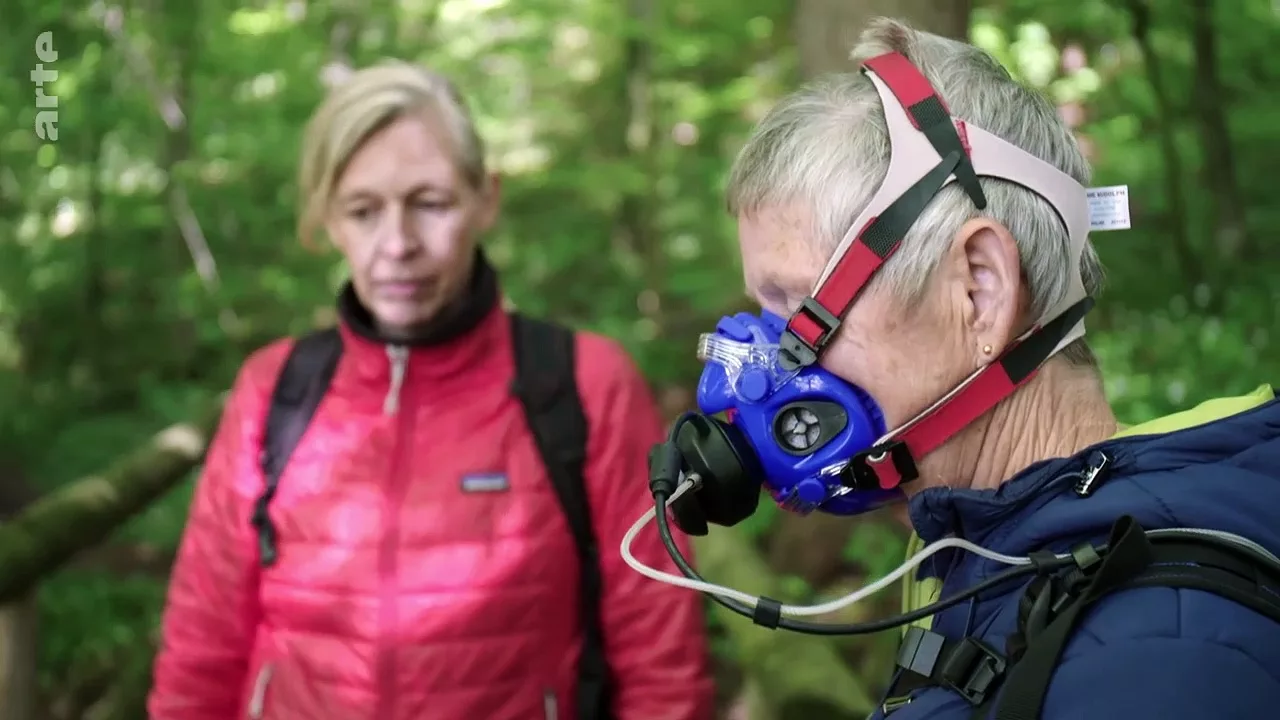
(333, 235)
(991, 270)
(490, 202)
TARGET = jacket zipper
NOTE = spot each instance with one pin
(399, 357)
(258, 701)
(550, 708)
(393, 497)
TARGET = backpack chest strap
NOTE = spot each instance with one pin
(1013, 685)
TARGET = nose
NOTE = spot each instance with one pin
(399, 239)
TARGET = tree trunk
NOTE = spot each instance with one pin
(19, 648)
(1178, 226)
(827, 30)
(19, 638)
(56, 527)
(1211, 104)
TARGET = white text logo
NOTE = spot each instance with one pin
(43, 78)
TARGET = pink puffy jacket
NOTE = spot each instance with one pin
(397, 596)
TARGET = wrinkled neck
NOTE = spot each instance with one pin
(1057, 414)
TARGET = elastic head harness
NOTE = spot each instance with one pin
(924, 134)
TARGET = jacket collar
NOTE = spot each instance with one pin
(469, 336)
(457, 319)
(940, 512)
(976, 514)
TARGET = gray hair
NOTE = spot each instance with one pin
(827, 145)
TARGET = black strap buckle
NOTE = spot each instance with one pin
(968, 666)
(972, 669)
(892, 459)
(796, 352)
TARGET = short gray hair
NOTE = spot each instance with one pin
(827, 145)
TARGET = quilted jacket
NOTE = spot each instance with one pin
(398, 593)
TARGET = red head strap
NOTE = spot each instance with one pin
(929, 150)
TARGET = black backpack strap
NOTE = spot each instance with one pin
(302, 383)
(1015, 684)
(546, 385)
(1134, 561)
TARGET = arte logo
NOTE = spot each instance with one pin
(43, 78)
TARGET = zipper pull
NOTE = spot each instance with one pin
(550, 708)
(257, 703)
(399, 356)
(1096, 471)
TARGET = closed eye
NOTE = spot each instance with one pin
(360, 214)
(431, 204)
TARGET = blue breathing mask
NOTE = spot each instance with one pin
(802, 425)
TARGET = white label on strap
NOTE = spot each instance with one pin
(1108, 207)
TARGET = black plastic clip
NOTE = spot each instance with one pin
(882, 467)
(972, 669)
(794, 351)
(768, 613)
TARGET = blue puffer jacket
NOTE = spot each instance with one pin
(1145, 654)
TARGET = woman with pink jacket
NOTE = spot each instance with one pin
(414, 561)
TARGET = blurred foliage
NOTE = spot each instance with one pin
(149, 247)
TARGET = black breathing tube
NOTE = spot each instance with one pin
(665, 470)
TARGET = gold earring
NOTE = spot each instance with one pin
(986, 349)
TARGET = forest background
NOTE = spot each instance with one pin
(147, 247)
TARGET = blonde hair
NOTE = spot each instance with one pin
(365, 103)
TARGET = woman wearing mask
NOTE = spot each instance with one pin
(415, 556)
